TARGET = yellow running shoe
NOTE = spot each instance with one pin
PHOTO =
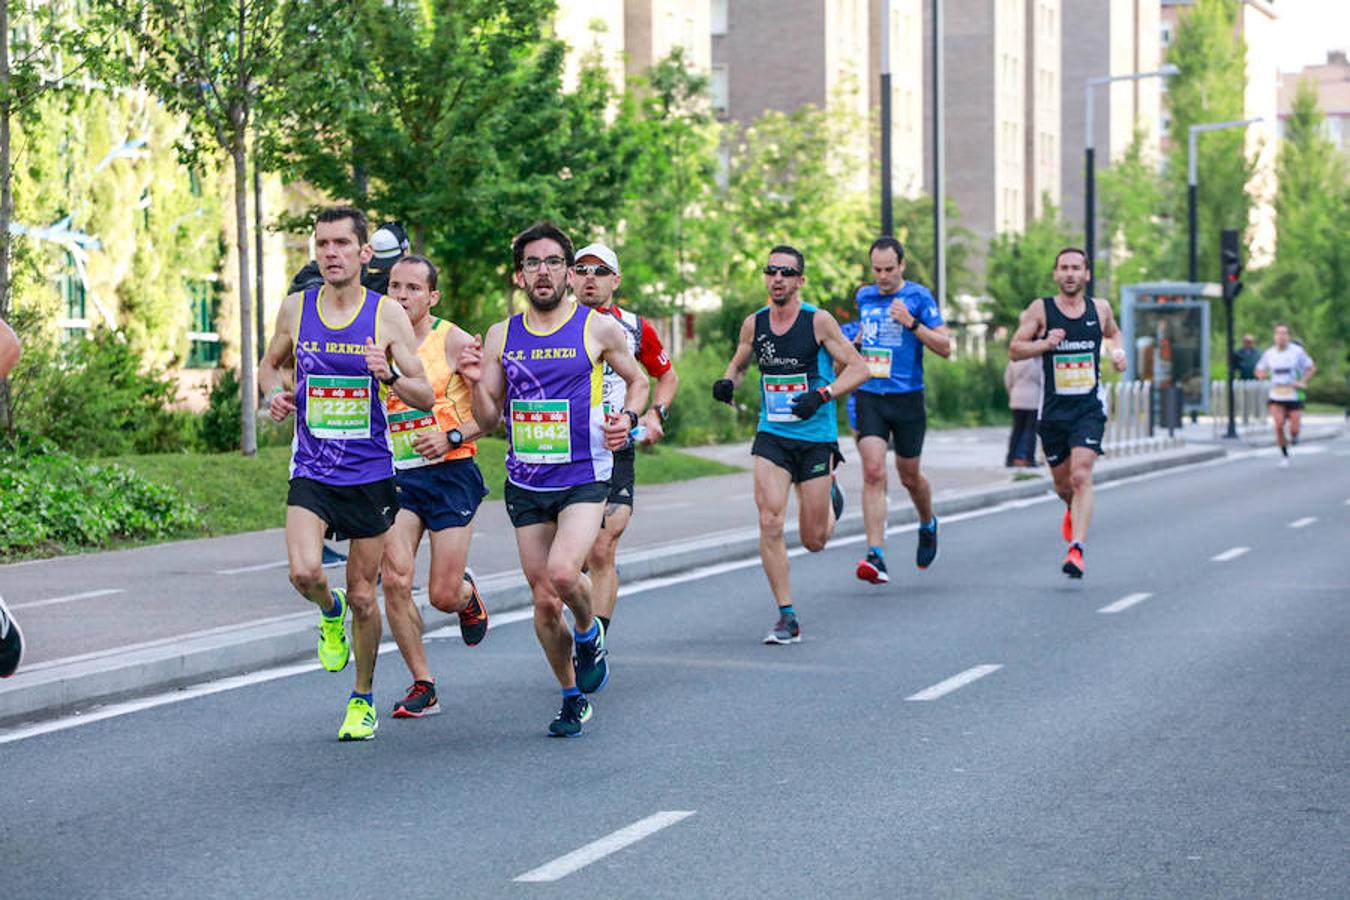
(334, 650)
(360, 723)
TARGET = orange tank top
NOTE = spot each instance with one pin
(452, 409)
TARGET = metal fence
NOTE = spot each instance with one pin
(1249, 405)
(1129, 420)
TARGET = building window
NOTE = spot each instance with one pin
(721, 91)
(719, 17)
(203, 306)
(74, 321)
(1166, 34)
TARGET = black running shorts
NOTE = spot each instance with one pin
(445, 495)
(900, 418)
(527, 507)
(1059, 436)
(803, 460)
(351, 511)
(622, 477)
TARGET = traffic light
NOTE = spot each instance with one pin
(1230, 259)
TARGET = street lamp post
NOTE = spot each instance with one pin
(939, 166)
(1090, 163)
(1192, 184)
(887, 214)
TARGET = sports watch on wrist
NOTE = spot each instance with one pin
(455, 437)
(632, 419)
(661, 410)
(394, 375)
(914, 324)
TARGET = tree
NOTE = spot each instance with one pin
(1020, 266)
(1209, 88)
(215, 62)
(1134, 224)
(1310, 278)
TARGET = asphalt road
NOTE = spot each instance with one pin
(1192, 743)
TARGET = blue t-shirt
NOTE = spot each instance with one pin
(893, 353)
(850, 330)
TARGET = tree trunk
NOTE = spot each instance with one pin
(248, 440)
(258, 284)
(6, 208)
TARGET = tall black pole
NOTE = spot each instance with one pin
(1232, 370)
(939, 165)
(887, 213)
(1090, 215)
(1193, 269)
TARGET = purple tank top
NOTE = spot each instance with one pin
(554, 406)
(341, 436)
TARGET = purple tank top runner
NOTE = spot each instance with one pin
(554, 406)
(341, 436)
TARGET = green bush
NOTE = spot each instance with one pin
(51, 501)
(695, 417)
(91, 397)
(218, 429)
(966, 392)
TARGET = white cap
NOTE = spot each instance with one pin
(602, 253)
(386, 244)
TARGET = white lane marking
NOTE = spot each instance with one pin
(258, 568)
(956, 681)
(610, 843)
(52, 601)
(1125, 603)
(1232, 553)
(1347, 502)
(1303, 522)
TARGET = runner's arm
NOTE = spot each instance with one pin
(614, 352)
(480, 364)
(280, 354)
(740, 360)
(1262, 369)
(456, 340)
(654, 359)
(1030, 323)
(1307, 374)
(412, 386)
(9, 349)
(1111, 334)
(842, 351)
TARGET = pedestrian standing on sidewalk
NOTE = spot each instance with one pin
(1245, 358)
(797, 348)
(438, 484)
(1023, 380)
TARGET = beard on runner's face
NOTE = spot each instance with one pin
(547, 301)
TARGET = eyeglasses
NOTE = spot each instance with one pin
(532, 263)
(785, 271)
(596, 269)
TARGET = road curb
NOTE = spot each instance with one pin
(67, 686)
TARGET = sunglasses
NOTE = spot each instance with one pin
(785, 271)
(596, 269)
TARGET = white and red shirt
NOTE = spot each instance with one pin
(1284, 368)
(645, 345)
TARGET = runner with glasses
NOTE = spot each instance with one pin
(796, 347)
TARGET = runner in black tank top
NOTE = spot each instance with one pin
(1068, 332)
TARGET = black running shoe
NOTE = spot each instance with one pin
(421, 701)
(928, 549)
(473, 618)
(836, 497)
(873, 569)
(787, 631)
(589, 661)
(575, 712)
(11, 642)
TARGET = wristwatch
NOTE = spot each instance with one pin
(914, 324)
(394, 375)
(632, 419)
(455, 437)
(661, 410)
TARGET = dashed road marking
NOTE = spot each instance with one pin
(1125, 603)
(960, 680)
(610, 843)
(1303, 522)
(1231, 553)
(69, 598)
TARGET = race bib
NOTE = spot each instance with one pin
(779, 392)
(1286, 392)
(337, 407)
(878, 361)
(541, 431)
(1074, 373)
(403, 427)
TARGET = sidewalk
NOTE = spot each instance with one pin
(112, 625)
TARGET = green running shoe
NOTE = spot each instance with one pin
(360, 723)
(334, 650)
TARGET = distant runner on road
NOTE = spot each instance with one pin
(1068, 332)
(1287, 366)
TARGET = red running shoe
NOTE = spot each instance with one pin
(421, 701)
(1067, 528)
(1073, 563)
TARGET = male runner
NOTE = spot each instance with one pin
(796, 347)
(545, 369)
(1288, 367)
(596, 278)
(1067, 332)
(898, 319)
(11, 638)
(438, 486)
(338, 335)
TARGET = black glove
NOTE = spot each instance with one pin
(723, 390)
(807, 404)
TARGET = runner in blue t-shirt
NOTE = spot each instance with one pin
(898, 320)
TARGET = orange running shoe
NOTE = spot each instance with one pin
(1067, 528)
(1073, 563)
(473, 619)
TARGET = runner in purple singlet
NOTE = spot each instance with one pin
(543, 370)
(340, 337)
